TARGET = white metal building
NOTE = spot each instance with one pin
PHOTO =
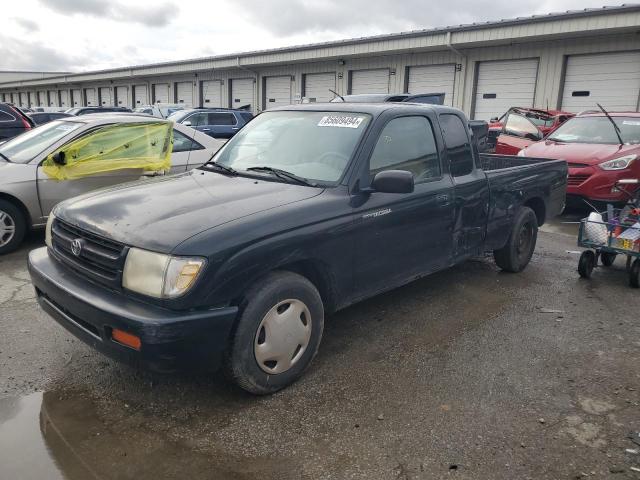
(567, 60)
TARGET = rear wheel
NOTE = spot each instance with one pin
(607, 258)
(13, 227)
(634, 274)
(517, 252)
(277, 334)
(586, 263)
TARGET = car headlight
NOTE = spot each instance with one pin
(618, 163)
(158, 275)
(521, 153)
(47, 231)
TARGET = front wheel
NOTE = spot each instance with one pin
(634, 274)
(586, 263)
(13, 227)
(277, 334)
(515, 255)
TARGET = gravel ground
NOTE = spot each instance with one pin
(469, 374)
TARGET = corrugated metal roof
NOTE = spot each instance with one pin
(569, 14)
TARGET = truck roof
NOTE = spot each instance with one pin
(374, 109)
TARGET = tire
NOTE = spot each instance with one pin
(249, 362)
(586, 263)
(13, 227)
(607, 258)
(517, 252)
(634, 274)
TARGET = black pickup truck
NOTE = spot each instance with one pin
(307, 210)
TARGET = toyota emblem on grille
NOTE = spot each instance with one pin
(76, 247)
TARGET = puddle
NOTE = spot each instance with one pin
(61, 437)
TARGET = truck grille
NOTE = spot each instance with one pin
(96, 257)
(575, 180)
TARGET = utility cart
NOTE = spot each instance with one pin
(613, 232)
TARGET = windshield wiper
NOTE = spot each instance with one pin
(615, 125)
(2, 155)
(283, 174)
(220, 167)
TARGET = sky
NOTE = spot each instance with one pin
(84, 35)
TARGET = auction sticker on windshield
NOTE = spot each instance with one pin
(343, 121)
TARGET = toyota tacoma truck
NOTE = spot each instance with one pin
(307, 210)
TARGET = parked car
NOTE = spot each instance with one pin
(40, 118)
(310, 208)
(598, 155)
(216, 122)
(429, 98)
(159, 110)
(13, 122)
(27, 194)
(77, 111)
(521, 126)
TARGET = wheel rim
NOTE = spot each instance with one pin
(283, 336)
(524, 240)
(7, 228)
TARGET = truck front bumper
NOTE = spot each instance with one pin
(170, 340)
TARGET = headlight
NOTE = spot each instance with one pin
(521, 153)
(618, 163)
(158, 275)
(47, 231)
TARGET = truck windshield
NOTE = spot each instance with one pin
(25, 147)
(598, 130)
(316, 146)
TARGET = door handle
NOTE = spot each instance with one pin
(235, 128)
(206, 129)
(442, 200)
(149, 173)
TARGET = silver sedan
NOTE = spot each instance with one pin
(27, 194)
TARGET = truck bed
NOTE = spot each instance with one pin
(542, 188)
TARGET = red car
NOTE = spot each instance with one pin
(598, 154)
(520, 127)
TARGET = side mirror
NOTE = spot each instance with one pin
(187, 123)
(59, 158)
(494, 119)
(393, 181)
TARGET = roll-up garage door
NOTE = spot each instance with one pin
(90, 97)
(433, 79)
(122, 96)
(105, 97)
(64, 98)
(42, 98)
(611, 79)
(53, 98)
(242, 93)
(140, 95)
(370, 81)
(184, 94)
(76, 98)
(211, 93)
(161, 93)
(24, 99)
(504, 84)
(317, 86)
(277, 92)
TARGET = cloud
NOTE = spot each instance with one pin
(28, 25)
(290, 17)
(158, 15)
(21, 55)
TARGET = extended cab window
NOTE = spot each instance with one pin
(182, 143)
(407, 143)
(520, 126)
(458, 145)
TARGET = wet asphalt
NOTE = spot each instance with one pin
(470, 373)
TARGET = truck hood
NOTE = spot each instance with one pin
(160, 214)
(587, 153)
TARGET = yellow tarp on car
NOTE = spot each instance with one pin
(146, 146)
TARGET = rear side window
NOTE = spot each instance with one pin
(407, 143)
(458, 145)
(182, 143)
(222, 118)
(197, 119)
(5, 117)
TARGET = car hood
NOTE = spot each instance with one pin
(587, 153)
(160, 214)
